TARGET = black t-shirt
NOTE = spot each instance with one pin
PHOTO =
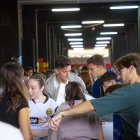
(11, 117)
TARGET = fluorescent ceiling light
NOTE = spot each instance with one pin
(73, 34)
(99, 48)
(78, 49)
(65, 9)
(103, 38)
(108, 33)
(92, 22)
(113, 25)
(124, 7)
(77, 46)
(75, 39)
(71, 26)
(101, 45)
(76, 43)
(102, 42)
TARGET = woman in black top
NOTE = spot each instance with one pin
(13, 103)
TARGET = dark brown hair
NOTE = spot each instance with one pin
(128, 60)
(108, 76)
(62, 61)
(96, 59)
(12, 85)
(74, 92)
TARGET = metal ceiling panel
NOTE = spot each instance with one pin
(69, 1)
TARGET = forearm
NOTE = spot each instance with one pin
(82, 108)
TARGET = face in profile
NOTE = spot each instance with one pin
(94, 70)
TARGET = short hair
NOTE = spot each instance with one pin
(62, 61)
(96, 59)
(128, 60)
(28, 68)
(110, 89)
(108, 76)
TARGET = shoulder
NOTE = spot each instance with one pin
(51, 102)
(50, 79)
(23, 103)
(74, 77)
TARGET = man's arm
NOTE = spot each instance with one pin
(82, 108)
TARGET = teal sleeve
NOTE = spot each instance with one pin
(114, 102)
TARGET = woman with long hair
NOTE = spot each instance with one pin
(13, 100)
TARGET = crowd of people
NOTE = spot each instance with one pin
(62, 105)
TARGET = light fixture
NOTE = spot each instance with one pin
(77, 46)
(101, 45)
(103, 38)
(71, 26)
(102, 42)
(75, 39)
(99, 48)
(73, 34)
(78, 49)
(92, 22)
(124, 7)
(114, 25)
(108, 33)
(65, 9)
(76, 43)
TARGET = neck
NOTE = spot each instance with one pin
(136, 79)
(59, 80)
(40, 99)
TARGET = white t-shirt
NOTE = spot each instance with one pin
(9, 132)
(40, 113)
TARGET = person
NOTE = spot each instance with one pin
(13, 103)
(109, 79)
(96, 67)
(81, 127)
(55, 85)
(9, 132)
(41, 107)
(110, 83)
(28, 72)
(84, 74)
(123, 101)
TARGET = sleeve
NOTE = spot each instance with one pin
(22, 104)
(111, 103)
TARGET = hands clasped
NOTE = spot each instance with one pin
(54, 122)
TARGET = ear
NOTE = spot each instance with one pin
(56, 70)
(132, 68)
(42, 88)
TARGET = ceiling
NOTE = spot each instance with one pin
(89, 10)
(68, 1)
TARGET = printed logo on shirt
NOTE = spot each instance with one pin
(35, 120)
(49, 112)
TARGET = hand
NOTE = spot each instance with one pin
(55, 121)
